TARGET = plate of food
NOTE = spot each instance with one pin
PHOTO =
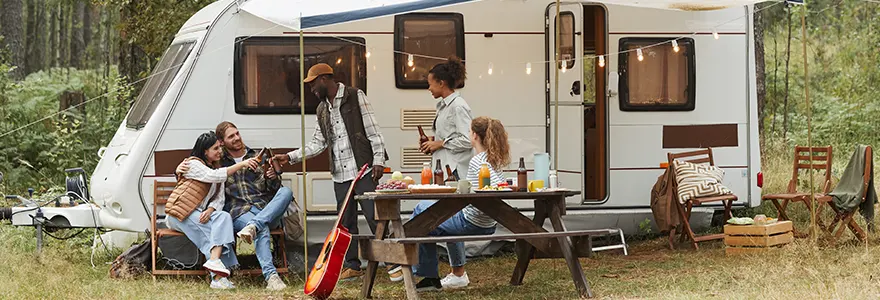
(392, 187)
(501, 187)
(432, 189)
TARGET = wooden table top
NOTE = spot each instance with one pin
(480, 195)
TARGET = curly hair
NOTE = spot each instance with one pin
(452, 72)
(493, 136)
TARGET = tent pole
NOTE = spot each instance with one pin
(302, 114)
(813, 216)
(556, 94)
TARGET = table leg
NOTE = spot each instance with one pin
(408, 280)
(577, 274)
(524, 250)
(372, 266)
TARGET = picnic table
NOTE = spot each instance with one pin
(532, 240)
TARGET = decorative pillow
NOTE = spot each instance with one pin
(698, 180)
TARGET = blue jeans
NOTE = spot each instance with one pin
(217, 232)
(265, 220)
(455, 225)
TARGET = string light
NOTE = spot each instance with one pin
(715, 33)
(529, 68)
(601, 60)
(368, 54)
(639, 53)
(675, 46)
(409, 60)
(338, 61)
(564, 65)
(490, 69)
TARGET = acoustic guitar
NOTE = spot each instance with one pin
(325, 273)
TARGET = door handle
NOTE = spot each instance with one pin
(575, 88)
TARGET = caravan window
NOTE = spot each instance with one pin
(431, 38)
(663, 81)
(566, 41)
(157, 84)
(267, 79)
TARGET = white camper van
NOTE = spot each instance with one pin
(238, 61)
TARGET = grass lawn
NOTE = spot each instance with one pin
(800, 270)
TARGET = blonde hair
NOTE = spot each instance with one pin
(493, 136)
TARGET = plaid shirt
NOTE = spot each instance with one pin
(246, 188)
(346, 167)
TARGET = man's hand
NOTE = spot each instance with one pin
(182, 168)
(378, 171)
(281, 158)
(206, 215)
(430, 146)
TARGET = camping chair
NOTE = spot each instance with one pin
(822, 159)
(161, 191)
(696, 157)
(845, 218)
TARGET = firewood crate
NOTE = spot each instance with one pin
(743, 239)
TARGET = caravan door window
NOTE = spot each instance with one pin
(422, 40)
(158, 83)
(664, 80)
(267, 79)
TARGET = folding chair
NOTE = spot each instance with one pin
(845, 218)
(822, 159)
(696, 157)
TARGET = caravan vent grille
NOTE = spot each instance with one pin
(412, 158)
(410, 118)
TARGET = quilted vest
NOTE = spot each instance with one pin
(187, 196)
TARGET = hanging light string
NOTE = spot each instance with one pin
(714, 32)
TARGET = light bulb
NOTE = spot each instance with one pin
(601, 60)
(409, 60)
(563, 67)
(639, 54)
(368, 54)
(490, 69)
(529, 68)
(338, 61)
(715, 34)
(675, 46)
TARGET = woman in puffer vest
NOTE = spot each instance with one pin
(197, 209)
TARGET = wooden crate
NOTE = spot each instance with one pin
(740, 239)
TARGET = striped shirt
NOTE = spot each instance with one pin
(471, 213)
(346, 167)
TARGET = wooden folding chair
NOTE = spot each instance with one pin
(696, 157)
(846, 218)
(161, 191)
(822, 160)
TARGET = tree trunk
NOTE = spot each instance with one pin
(132, 59)
(63, 36)
(30, 64)
(87, 29)
(785, 99)
(759, 67)
(13, 35)
(77, 44)
(53, 37)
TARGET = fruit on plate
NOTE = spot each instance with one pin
(397, 176)
(409, 180)
(498, 187)
(392, 185)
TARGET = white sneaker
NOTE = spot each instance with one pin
(216, 266)
(275, 283)
(222, 284)
(395, 274)
(248, 233)
(454, 282)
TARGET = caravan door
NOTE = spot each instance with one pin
(569, 160)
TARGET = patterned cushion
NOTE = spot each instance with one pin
(698, 180)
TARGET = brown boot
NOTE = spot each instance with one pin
(350, 274)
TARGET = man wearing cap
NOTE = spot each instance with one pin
(347, 127)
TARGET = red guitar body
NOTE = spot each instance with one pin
(325, 273)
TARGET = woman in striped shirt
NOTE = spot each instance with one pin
(490, 142)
